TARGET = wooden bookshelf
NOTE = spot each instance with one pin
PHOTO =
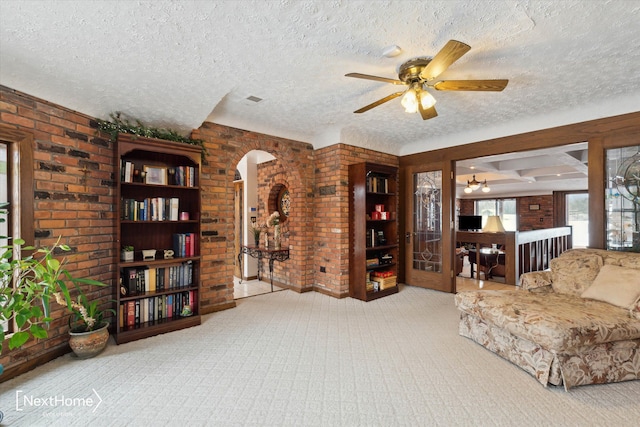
(373, 231)
(158, 207)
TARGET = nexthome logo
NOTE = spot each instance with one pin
(25, 401)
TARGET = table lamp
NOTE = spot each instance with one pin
(493, 225)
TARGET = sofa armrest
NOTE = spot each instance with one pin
(535, 279)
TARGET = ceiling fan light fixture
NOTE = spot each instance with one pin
(410, 101)
(427, 100)
(419, 73)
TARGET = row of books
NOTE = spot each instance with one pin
(155, 309)
(138, 280)
(184, 176)
(126, 171)
(377, 184)
(184, 244)
(151, 209)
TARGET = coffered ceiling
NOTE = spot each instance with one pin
(533, 172)
(180, 63)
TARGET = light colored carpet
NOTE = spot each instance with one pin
(308, 359)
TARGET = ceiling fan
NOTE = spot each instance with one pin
(420, 73)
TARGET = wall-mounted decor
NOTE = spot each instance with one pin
(284, 202)
(535, 207)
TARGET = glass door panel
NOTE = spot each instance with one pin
(622, 202)
(427, 221)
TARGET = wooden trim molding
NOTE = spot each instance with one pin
(21, 153)
(601, 134)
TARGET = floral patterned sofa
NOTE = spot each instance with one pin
(577, 323)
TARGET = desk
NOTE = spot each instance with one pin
(487, 259)
(262, 253)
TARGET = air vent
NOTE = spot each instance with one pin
(254, 98)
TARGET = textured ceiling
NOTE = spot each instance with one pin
(179, 63)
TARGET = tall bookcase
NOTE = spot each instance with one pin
(373, 231)
(158, 206)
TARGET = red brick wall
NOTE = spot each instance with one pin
(535, 219)
(78, 206)
(270, 176)
(294, 168)
(74, 196)
(527, 219)
(331, 219)
(467, 206)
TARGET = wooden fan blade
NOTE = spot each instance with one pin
(376, 78)
(476, 85)
(449, 54)
(429, 113)
(378, 102)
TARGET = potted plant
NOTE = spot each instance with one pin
(88, 331)
(127, 253)
(28, 281)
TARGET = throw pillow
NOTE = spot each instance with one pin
(572, 275)
(615, 285)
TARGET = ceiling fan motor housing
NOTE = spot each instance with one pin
(409, 71)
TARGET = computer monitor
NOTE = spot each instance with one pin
(469, 222)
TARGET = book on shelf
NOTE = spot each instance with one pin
(131, 313)
(377, 184)
(140, 280)
(174, 207)
(150, 209)
(126, 171)
(156, 308)
(184, 176)
(184, 244)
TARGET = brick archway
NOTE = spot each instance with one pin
(294, 168)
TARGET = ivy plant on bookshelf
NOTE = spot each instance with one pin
(159, 215)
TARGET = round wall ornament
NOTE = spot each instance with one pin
(284, 202)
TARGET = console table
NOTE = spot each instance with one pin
(262, 253)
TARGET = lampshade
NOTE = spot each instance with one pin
(467, 189)
(485, 187)
(410, 101)
(493, 225)
(427, 100)
(414, 95)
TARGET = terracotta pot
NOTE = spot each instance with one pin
(89, 344)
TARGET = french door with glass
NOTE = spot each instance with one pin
(428, 237)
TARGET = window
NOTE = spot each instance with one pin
(16, 187)
(5, 225)
(577, 212)
(504, 208)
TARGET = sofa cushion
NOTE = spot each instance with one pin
(573, 272)
(622, 259)
(557, 322)
(615, 285)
